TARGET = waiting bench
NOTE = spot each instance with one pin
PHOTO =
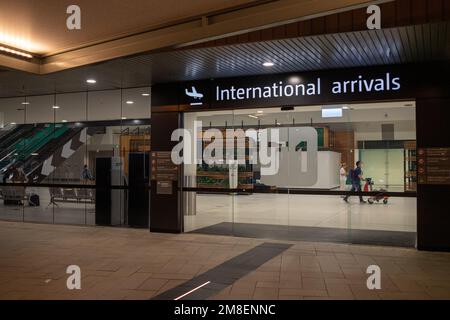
(71, 195)
(13, 194)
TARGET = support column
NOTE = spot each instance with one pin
(433, 219)
(165, 201)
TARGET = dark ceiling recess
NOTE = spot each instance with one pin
(399, 45)
(398, 13)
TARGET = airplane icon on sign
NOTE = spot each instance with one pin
(194, 94)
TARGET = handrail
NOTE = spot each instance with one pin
(220, 190)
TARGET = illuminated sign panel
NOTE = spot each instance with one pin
(295, 89)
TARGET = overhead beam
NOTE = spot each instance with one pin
(202, 28)
(32, 66)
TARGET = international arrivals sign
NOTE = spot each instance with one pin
(295, 89)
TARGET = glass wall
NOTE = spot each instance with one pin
(51, 141)
(306, 165)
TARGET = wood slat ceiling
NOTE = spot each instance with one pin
(400, 45)
(341, 50)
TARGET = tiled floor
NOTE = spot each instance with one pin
(119, 263)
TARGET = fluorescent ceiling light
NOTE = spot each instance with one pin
(129, 102)
(35, 154)
(268, 64)
(146, 94)
(124, 118)
(91, 81)
(55, 107)
(332, 113)
(15, 52)
(25, 102)
(252, 116)
(13, 123)
(63, 120)
(345, 108)
(260, 111)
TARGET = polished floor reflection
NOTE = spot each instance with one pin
(399, 214)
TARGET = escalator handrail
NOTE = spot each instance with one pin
(32, 147)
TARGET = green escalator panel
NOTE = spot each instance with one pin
(27, 146)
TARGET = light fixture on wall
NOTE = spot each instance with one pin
(331, 112)
(15, 52)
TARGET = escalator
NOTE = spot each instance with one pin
(17, 133)
(10, 138)
(39, 149)
(63, 143)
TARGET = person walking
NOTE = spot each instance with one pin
(86, 174)
(343, 176)
(356, 176)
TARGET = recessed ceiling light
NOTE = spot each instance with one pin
(124, 118)
(146, 94)
(63, 120)
(13, 123)
(345, 108)
(25, 102)
(252, 116)
(268, 64)
(91, 81)
(35, 154)
(129, 102)
(260, 111)
(55, 107)
(294, 80)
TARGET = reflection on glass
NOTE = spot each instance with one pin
(381, 136)
(56, 139)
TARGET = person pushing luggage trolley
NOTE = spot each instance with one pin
(356, 176)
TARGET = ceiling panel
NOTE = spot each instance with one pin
(398, 45)
(40, 26)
